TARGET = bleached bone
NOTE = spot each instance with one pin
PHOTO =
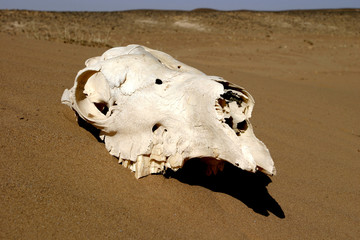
(155, 112)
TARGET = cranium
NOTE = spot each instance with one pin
(155, 112)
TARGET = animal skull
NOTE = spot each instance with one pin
(155, 112)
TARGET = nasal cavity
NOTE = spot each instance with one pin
(102, 107)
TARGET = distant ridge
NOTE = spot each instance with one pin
(106, 29)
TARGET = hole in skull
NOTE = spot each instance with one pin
(222, 102)
(158, 81)
(242, 126)
(229, 121)
(231, 96)
(156, 126)
(102, 107)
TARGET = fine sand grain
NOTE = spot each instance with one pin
(303, 69)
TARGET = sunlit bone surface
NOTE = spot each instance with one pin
(155, 112)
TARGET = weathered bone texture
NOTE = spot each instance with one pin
(155, 112)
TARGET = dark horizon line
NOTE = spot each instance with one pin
(193, 10)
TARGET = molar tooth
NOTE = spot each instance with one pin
(142, 168)
(126, 163)
(157, 153)
(156, 167)
(175, 160)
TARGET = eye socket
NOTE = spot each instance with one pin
(92, 94)
(158, 81)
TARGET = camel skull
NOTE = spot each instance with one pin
(154, 113)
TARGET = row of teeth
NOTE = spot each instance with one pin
(156, 162)
(146, 165)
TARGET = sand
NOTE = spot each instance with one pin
(59, 182)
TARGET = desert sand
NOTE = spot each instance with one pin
(302, 68)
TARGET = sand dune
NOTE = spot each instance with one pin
(58, 181)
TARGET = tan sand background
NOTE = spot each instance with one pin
(303, 69)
